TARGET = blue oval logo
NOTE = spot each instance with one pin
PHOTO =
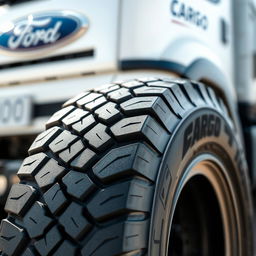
(43, 31)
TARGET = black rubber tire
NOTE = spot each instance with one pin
(94, 180)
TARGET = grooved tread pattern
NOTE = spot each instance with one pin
(11, 238)
(19, 199)
(88, 183)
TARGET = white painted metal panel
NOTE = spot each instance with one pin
(164, 30)
(100, 37)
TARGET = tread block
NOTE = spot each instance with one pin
(120, 95)
(20, 199)
(12, 238)
(117, 239)
(88, 98)
(176, 90)
(213, 98)
(223, 107)
(182, 99)
(49, 173)
(134, 159)
(79, 185)
(74, 99)
(132, 84)
(148, 79)
(193, 94)
(73, 221)
(55, 199)
(95, 104)
(45, 245)
(175, 80)
(84, 124)
(108, 113)
(74, 117)
(141, 127)
(202, 90)
(62, 141)
(151, 105)
(121, 198)
(163, 84)
(32, 164)
(163, 92)
(69, 153)
(35, 221)
(98, 138)
(83, 159)
(44, 139)
(56, 118)
(66, 248)
(106, 88)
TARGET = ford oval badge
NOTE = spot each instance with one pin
(42, 32)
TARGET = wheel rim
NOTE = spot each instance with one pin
(206, 217)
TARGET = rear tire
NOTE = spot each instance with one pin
(126, 169)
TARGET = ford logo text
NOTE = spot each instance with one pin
(39, 32)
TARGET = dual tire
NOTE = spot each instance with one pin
(144, 167)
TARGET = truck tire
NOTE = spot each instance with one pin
(144, 167)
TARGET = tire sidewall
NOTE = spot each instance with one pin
(186, 144)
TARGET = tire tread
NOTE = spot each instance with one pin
(94, 166)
